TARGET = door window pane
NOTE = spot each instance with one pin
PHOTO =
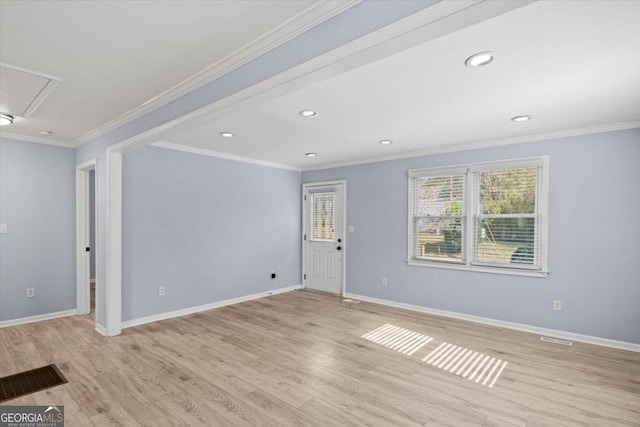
(323, 216)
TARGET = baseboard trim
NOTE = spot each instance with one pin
(605, 342)
(205, 307)
(101, 329)
(38, 318)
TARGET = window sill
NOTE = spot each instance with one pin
(479, 269)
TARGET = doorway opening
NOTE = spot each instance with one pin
(86, 236)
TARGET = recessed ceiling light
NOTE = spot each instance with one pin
(46, 132)
(479, 59)
(5, 119)
(386, 142)
(310, 154)
(520, 118)
(308, 113)
(226, 134)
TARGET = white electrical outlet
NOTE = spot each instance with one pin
(557, 305)
(3, 228)
(31, 293)
(161, 291)
(385, 281)
(351, 229)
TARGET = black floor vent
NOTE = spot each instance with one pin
(28, 382)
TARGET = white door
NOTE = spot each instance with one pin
(324, 236)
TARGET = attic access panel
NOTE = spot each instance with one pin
(22, 91)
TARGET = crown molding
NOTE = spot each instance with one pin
(220, 155)
(300, 23)
(36, 139)
(372, 46)
(612, 127)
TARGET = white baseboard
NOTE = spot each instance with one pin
(605, 342)
(38, 318)
(205, 307)
(101, 329)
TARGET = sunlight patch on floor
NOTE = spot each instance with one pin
(467, 363)
(399, 339)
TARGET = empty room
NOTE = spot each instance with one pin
(320, 213)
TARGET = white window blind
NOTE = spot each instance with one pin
(439, 217)
(506, 219)
(481, 217)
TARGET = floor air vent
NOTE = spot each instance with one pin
(556, 341)
(28, 382)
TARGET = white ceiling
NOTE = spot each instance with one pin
(113, 56)
(570, 64)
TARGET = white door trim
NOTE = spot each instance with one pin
(83, 295)
(305, 187)
(113, 291)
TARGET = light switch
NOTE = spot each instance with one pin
(3, 228)
(352, 229)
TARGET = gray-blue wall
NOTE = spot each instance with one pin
(37, 202)
(594, 239)
(207, 229)
(361, 19)
(190, 225)
(598, 298)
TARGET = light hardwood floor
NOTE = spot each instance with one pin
(299, 359)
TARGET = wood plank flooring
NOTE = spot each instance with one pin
(298, 359)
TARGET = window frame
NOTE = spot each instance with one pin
(471, 200)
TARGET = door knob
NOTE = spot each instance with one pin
(339, 248)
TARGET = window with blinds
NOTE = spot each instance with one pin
(439, 217)
(482, 217)
(506, 219)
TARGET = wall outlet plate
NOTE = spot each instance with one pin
(3, 228)
(557, 305)
(161, 291)
(31, 293)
